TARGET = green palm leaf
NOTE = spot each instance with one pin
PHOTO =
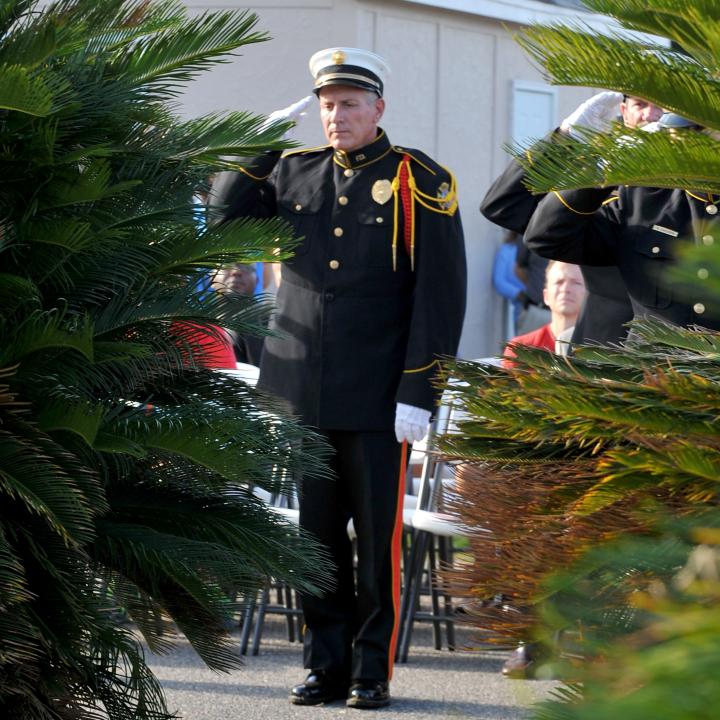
(693, 25)
(161, 61)
(624, 157)
(602, 61)
(21, 92)
(126, 466)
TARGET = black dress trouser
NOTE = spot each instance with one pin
(351, 630)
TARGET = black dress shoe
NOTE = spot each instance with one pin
(368, 694)
(319, 687)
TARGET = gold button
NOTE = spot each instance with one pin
(334, 264)
(708, 239)
(338, 232)
(298, 207)
(379, 219)
(349, 172)
(711, 209)
(655, 249)
(699, 308)
(343, 200)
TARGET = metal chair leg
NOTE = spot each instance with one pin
(246, 620)
(434, 594)
(418, 553)
(446, 559)
(260, 620)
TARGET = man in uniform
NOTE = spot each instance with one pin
(373, 298)
(636, 229)
(510, 204)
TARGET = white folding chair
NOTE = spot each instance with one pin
(433, 532)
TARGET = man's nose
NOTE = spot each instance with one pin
(653, 113)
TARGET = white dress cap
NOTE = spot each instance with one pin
(349, 66)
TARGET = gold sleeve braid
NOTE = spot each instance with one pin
(569, 207)
(422, 369)
(254, 177)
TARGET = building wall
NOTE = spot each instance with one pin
(449, 94)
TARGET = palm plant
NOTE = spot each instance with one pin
(126, 466)
(599, 474)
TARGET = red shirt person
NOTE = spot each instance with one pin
(564, 294)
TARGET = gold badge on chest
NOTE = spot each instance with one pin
(381, 191)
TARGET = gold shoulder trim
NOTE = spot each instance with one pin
(612, 198)
(300, 151)
(404, 151)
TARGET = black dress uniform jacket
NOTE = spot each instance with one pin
(358, 335)
(636, 229)
(607, 307)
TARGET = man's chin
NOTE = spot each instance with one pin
(341, 144)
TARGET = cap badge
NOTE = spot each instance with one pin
(381, 191)
(338, 57)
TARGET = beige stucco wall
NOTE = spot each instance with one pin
(450, 94)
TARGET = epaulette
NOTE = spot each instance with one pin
(421, 159)
(305, 151)
(440, 197)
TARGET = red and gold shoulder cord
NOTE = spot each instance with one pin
(407, 193)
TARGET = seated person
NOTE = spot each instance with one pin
(204, 347)
(564, 294)
(241, 280)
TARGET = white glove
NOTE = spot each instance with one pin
(597, 114)
(292, 112)
(651, 127)
(411, 423)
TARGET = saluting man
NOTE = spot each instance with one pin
(373, 298)
(639, 230)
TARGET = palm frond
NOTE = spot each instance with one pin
(693, 24)
(160, 62)
(623, 157)
(21, 92)
(603, 61)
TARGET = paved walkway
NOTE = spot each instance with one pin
(433, 684)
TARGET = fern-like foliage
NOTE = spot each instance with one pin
(683, 81)
(598, 475)
(126, 467)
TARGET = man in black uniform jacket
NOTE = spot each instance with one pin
(373, 297)
(510, 204)
(637, 229)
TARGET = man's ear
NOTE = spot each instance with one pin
(379, 108)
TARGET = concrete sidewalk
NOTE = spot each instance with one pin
(433, 684)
